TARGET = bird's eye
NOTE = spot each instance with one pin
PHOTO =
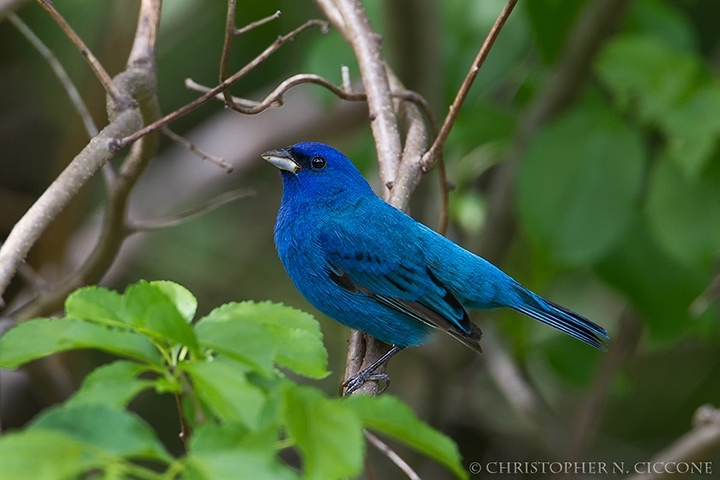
(318, 162)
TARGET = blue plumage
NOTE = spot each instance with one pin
(371, 267)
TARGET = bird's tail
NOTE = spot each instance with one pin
(561, 318)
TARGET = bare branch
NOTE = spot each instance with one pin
(700, 443)
(187, 144)
(107, 83)
(430, 156)
(390, 453)
(219, 201)
(224, 85)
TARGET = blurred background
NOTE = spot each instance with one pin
(585, 163)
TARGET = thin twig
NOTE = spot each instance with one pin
(191, 84)
(60, 72)
(219, 201)
(258, 23)
(390, 453)
(231, 31)
(95, 65)
(188, 145)
(224, 85)
(431, 155)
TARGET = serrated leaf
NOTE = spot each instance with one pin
(390, 416)
(327, 432)
(97, 304)
(117, 432)
(579, 182)
(184, 300)
(296, 335)
(147, 307)
(113, 385)
(684, 215)
(41, 337)
(226, 391)
(46, 455)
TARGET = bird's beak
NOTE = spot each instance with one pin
(282, 160)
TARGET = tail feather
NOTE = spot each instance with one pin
(562, 319)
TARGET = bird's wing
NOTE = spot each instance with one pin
(398, 277)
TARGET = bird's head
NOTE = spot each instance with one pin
(314, 170)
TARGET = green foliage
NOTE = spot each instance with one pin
(239, 407)
(578, 184)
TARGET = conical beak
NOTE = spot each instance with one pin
(281, 159)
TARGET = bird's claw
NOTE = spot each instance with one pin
(357, 381)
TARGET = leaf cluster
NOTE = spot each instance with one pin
(239, 410)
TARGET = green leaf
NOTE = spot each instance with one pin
(693, 127)
(244, 341)
(657, 284)
(224, 451)
(645, 69)
(184, 300)
(96, 304)
(46, 455)
(113, 385)
(684, 214)
(152, 311)
(663, 21)
(390, 416)
(296, 335)
(327, 432)
(225, 390)
(117, 432)
(579, 183)
(41, 337)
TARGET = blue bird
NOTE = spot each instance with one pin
(371, 267)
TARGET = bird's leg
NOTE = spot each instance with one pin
(359, 379)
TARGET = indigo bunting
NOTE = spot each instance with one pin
(371, 267)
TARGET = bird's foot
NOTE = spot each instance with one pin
(367, 375)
